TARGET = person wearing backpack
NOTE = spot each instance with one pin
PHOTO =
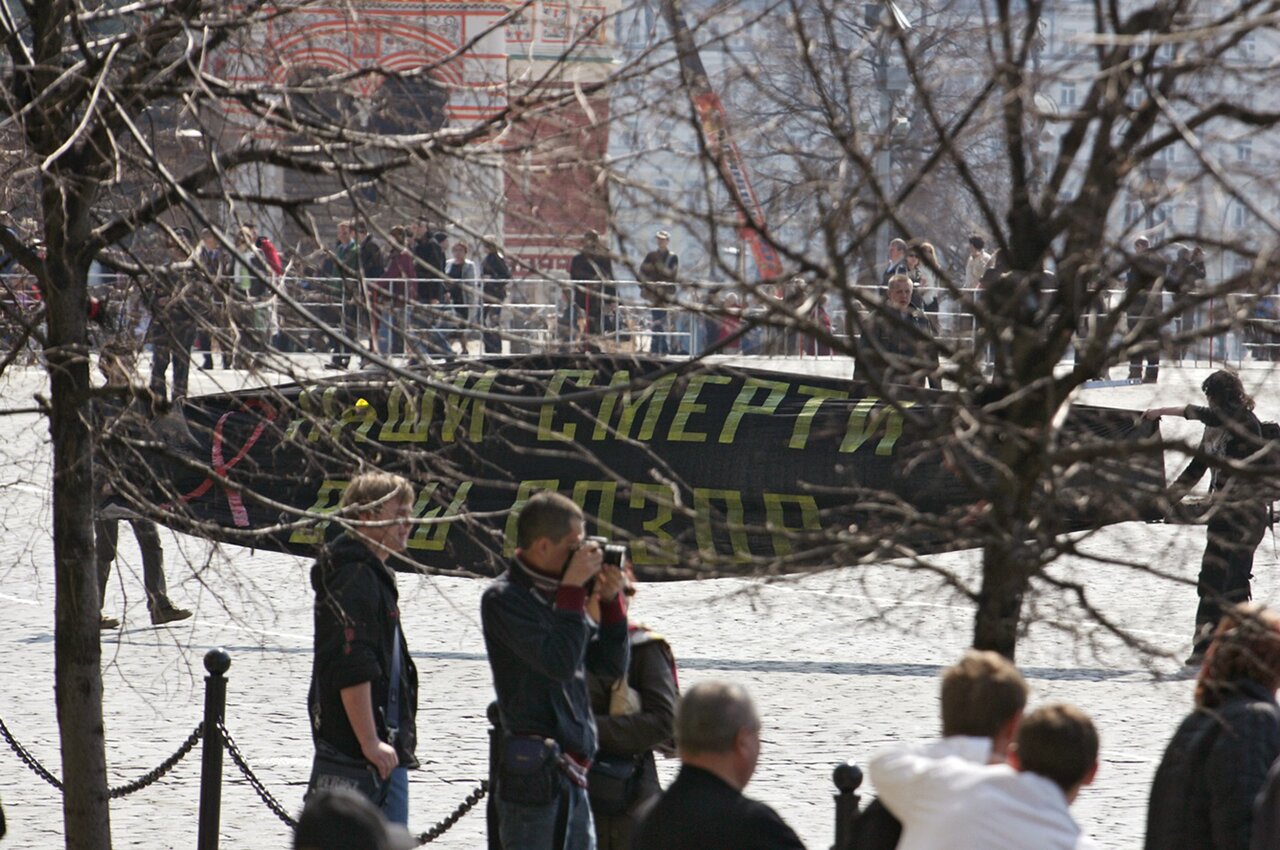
(634, 715)
(1238, 520)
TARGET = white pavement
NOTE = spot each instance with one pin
(840, 663)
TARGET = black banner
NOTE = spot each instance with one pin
(705, 470)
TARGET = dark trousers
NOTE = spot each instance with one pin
(492, 315)
(171, 341)
(1227, 566)
(1149, 345)
(660, 343)
(351, 298)
(106, 535)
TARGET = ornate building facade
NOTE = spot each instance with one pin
(514, 92)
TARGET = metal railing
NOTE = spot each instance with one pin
(547, 315)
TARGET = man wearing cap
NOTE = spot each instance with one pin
(658, 272)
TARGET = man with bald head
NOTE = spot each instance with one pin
(718, 735)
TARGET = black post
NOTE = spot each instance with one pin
(847, 777)
(495, 752)
(217, 662)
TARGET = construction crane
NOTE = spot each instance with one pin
(713, 123)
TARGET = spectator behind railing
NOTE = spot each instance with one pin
(496, 275)
(341, 268)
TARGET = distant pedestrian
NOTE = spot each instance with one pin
(659, 272)
(594, 292)
(1232, 435)
(897, 262)
(897, 344)
(1144, 282)
(116, 362)
(462, 280)
(1204, 790)
(496, 275)
(718, 736)
(174, 306)
(363, 700)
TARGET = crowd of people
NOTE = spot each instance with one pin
(585, 698)
(900, 341)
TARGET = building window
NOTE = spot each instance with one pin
(1239, 217)
(1244, 150)
(1067, 96)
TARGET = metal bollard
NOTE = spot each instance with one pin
(217, 662)
(495, 752)
(847, 777)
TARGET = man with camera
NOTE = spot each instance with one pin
(541, 643)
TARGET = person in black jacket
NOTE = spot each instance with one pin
(634, 716)
(430, 259)
(897, 345)
(358, 636)
(1204, 790)
(541, 645)
(594, 292)
(718, 733)
(496, 275)
(1145, 281)
(1236, 525)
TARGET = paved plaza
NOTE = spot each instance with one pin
(841, 662)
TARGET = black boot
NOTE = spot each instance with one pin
(1153, 375)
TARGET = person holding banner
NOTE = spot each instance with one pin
(1232, 435)
(363, 700)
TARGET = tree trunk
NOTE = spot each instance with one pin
(78, 653)
(995, 622)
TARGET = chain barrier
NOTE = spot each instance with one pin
(254, 782)
(465, 806)
(148, 778)
(271, 802)
(28, 759)
(165, 766)
(281, 812)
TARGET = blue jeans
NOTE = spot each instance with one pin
(396, 806)
(535, 826)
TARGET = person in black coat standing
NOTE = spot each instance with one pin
(1213, 769)
(718, 734)
(595, 294)
(495, 275)
(1232, 434)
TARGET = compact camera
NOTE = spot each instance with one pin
(614, 553)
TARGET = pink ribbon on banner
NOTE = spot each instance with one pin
(221, 466)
